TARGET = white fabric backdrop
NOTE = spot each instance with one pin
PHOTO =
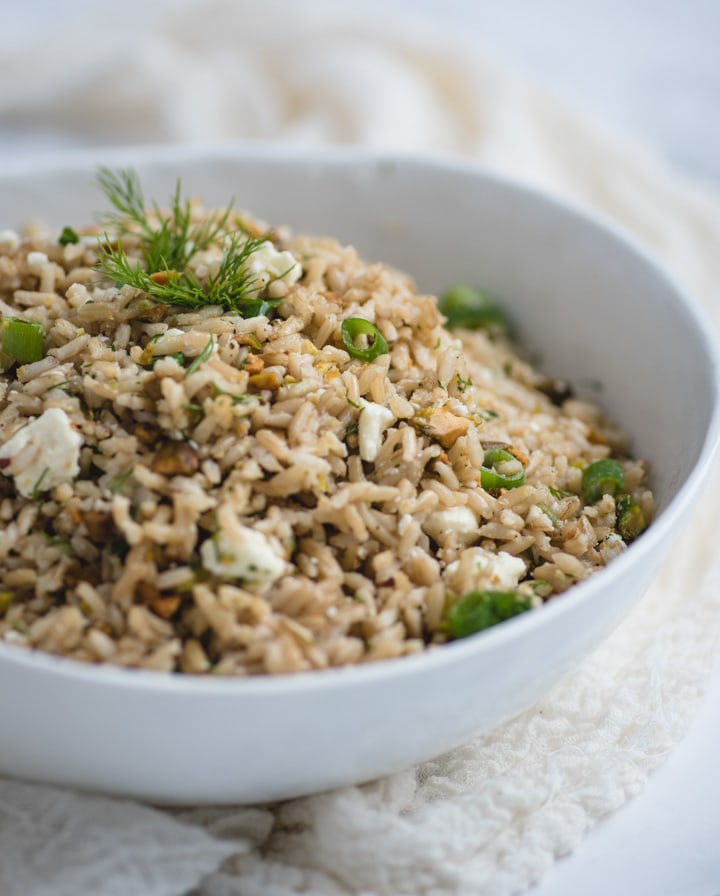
(490, 817)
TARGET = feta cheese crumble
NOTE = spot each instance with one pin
(36, 260)
(267, 263)
(481, 570)
(459, 521)
(43, 454)
(244, 554)
(373, 421)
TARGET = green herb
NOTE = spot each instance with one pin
(558, 493)
(488, 414)
(355, 327)
(37, 489)
(201, 358)
(242, 398)
(630, 519)
(61, 543)
(501, 470)
(193, 408)
(551, 515)
(602, 477)
(117, 483)
(172, 240)
(232, 287)
(465, 306)
(463, 383)
(22, 340)
(353, 403)
(351, 429)
(479, 610)
(68, 237)
(59, 385)
(168, 242)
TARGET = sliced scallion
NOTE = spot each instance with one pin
(602, 477)
(630, 519)
(479, 610)
(466, 306)
(22, 340)
(355, 327)
(68, 237)
(501, 470)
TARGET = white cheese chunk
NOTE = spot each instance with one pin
(244, 554)
(36, 260)
(267, 264)
(481, 570)
(373, 421)
(43, 454)
(459, 521)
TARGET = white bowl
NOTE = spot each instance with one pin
(592, 305)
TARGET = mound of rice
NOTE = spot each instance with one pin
(198, 492)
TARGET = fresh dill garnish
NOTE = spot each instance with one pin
(168, 241)
(558, 492)
(463, 383)
(202, 357)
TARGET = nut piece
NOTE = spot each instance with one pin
(175, 459)
(269, 379)
(441, 424)
(166, 607)
(99, 524)
(253, 364)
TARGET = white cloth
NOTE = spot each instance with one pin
(491, 817)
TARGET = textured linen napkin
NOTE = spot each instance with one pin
(492, 816)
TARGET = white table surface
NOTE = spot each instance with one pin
(652, 68)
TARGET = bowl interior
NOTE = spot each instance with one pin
(588, 306)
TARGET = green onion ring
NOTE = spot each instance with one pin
(602, 477)
(479, 610)
(492, 477)
(353, 327)
(22, 340)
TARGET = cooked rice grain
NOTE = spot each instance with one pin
(224, 520)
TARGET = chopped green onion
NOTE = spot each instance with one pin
(501, 470)
(630, 519)
(68, 237)
(479, 610)
(602, 477)
(465, 306)
(22, 340)
(202, 357)
(352, 328)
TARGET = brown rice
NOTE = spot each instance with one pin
(279, 506)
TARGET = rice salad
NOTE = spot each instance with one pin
(232, 449)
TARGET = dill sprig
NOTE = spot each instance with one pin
(167, 242)
(231, 287)
(171, 240)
